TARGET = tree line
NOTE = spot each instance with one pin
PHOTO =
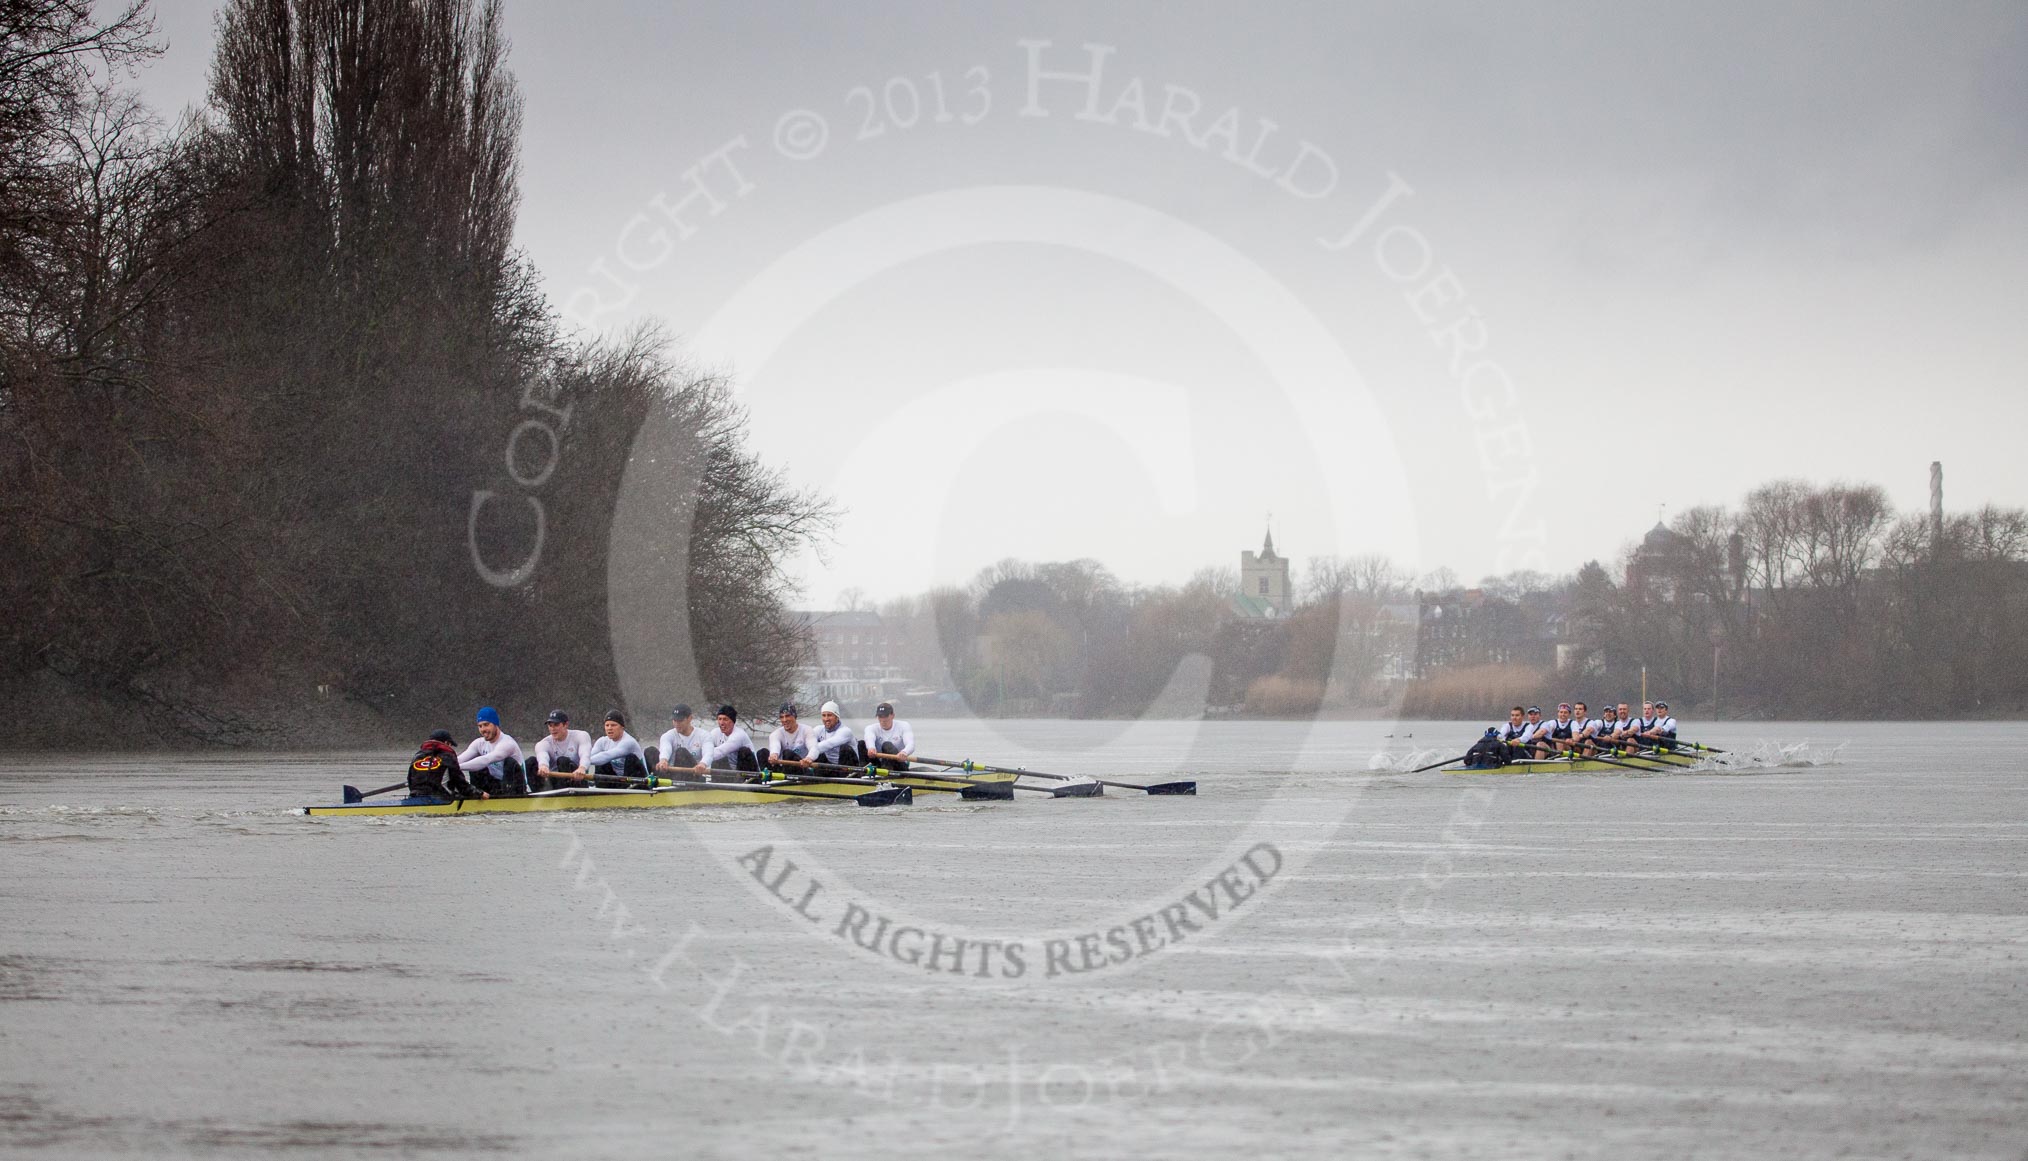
(1806, 600)
(286, 420)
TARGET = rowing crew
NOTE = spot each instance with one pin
(1574, 732)
(495, 765)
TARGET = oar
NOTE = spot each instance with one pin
(1701, 746)
(1659, 757)
(885, 796)
(354, 794)
(970, 789)
(857, 776)
(1621, 765)
(1156, 788)
(1434, 765)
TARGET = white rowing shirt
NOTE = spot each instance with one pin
(799, 740)
(606, 750)
(900, 734)
(491, 756)
(1509, 732)
(1592, 727)
(726, 746)
(697, 741)
(576, 746)
(1665, 725)
(829, 742)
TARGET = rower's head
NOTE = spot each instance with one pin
(728, 719)
(1583, 711)
(830, 715)
(1647, 709)
(1606, 712)
(885, 712)
(1514, 716)
(559, 724)
(1563, 711)
(1534, 713)
(1624, 711)
(680, 717)
(489, 722)
(616, 724)
(787, 714)
(1662, 707)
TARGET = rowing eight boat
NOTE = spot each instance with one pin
(1570, 766)
(682, 794)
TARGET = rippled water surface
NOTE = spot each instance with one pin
(1820, 948)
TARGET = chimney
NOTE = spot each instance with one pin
(1935, 509)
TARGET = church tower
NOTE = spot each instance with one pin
(1264, 581)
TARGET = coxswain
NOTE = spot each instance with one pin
(684, 748)
(889, 743)
(1659, 731)
(790, 743)
(731, 747)
(494, 758)
(617, 755)
(1499, 744)
(434, 773)
(835, 744)
(561, 758)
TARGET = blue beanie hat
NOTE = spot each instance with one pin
(488, 714)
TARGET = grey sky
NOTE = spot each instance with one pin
(1709, 245)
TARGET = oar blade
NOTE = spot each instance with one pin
(988, 791)
(1172, 788)
(890, 796)
(1077, 790)
(352, 795)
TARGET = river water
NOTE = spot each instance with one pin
(1819, 949)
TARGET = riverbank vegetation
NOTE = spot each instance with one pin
(289, 431)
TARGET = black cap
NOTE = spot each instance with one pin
(440, 736)
(726, 711)
(1661, 705)
(788, 707)
(613, 715)
(886, 707)
(558, 716)
(1534, 709)
(682, 710)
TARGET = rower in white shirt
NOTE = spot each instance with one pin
(1584, 728)
(833, 743)
(889, 742)
(684, 749)
(494, 758)
(731, 747)
(618, 755)
(1535, 734)
(1561, 733)
(562, 758)
(1659, 730)
(789, 744)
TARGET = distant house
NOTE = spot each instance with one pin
(1466, 627)
(854, 665)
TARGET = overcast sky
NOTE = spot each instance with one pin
(1483, 287)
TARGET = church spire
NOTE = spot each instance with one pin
(1267, 544)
